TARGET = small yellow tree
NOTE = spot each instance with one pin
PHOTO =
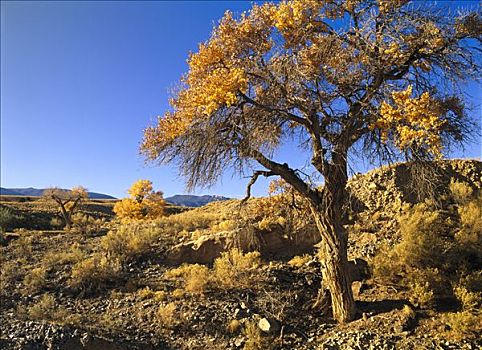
(67, 200)
(143, 203)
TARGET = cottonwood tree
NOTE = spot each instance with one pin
(334, 77)
(143, 204)
(67, 200)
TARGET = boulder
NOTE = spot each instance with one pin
(203, 250)
(269, 326)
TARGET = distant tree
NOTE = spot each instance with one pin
(376, 78)
(67, 200)
(143, 203)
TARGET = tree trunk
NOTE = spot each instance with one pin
(67, 217)
(329, 217)
(334, 267)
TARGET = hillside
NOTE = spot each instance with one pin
(131, 288)
(194, 201)
(36, 192)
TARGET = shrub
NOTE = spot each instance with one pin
(9, 273)
(6, 218)
(130, 241)
(421, 244)
(178, 293)
(166, 314)
(94, 273)
(86, 224)
(148, 293)
(23, 245)
(463, 324)
(233, 326)
(56, 222)
(299, 261)
(225, 225)
(408, 313)
(74, 255)
(438, 248)
(35, 280)
(234, 268)
(254, 337)
(471, 301)
(469, 236)
(472, 281)
(46, 309)
(421, 295)
(196, 277)
(460, 191)
(189, 221)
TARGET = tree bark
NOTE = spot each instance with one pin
(334, 268)
(329, 217)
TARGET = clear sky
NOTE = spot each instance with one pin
(81, 80)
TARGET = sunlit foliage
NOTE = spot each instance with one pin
(413, 120)
(143, 203)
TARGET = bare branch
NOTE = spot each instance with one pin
(251, 182)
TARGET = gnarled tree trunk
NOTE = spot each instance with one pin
(329, 217)
(334, 265)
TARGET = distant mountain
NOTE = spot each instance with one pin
(35, 192)
(194, 201)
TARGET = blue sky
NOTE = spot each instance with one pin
(81, 80)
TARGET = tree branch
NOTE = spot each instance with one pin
(287, 174)
(251, 182)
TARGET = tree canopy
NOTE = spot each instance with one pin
(143, 204)
(331, 72)
(67, 200)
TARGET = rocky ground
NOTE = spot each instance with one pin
(125, 313)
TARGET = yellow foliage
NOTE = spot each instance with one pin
(225, 225)
(435, 253)
(233, 268)
(129, 241)
(166, 314)
(385, 6)
(461, 191)
(75, 254)
(421, 295)
(471, 301)
(300, 261)
(148, 293)
(463, 324)
(94, 272)
(144, 203)
(140, 189)
(46, 308)
(35, 280)
(470, 233)
(196, 277)
(178, 293)
(412, 121)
